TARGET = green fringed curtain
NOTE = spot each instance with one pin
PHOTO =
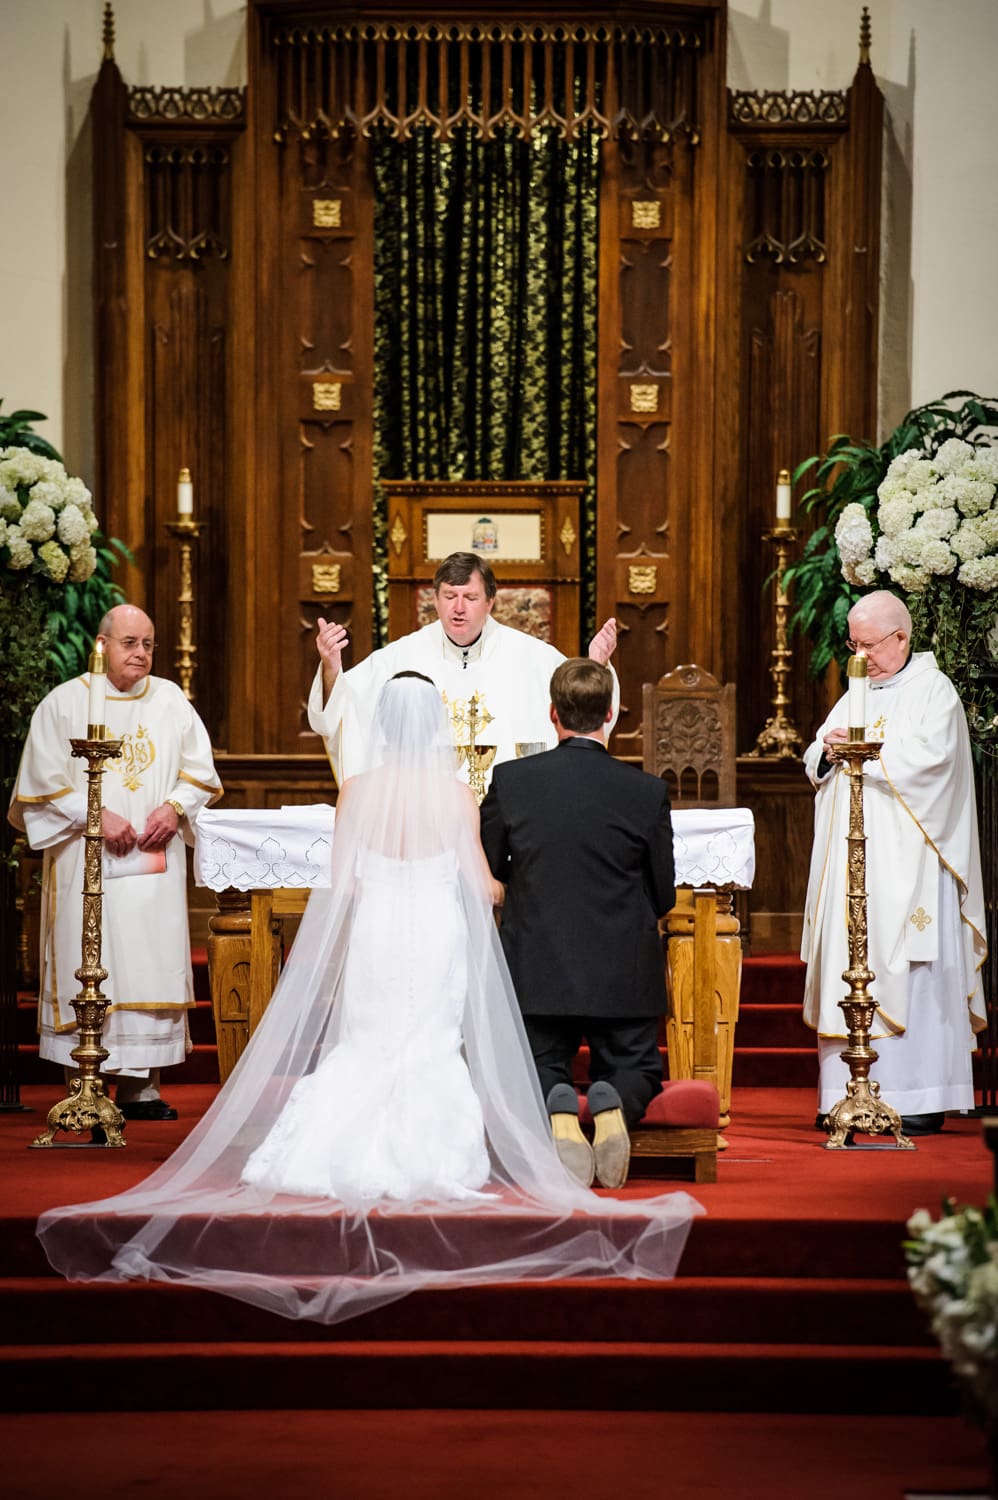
(485, 317)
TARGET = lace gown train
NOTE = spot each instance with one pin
(390, 1111)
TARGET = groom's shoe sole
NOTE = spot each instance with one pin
(611, 1148)
(572, 1147)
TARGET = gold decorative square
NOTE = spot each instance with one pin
(327, 395)
(398, 535)
(642, 578)
(327, 213)
(644, 398)
(326, 578)
(567, 536)
(646, 213)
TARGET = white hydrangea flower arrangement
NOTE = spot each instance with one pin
(936, 517)
(953, 1272)
(47, 521)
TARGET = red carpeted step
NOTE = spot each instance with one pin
(772, 1026)
(772, 979)
(704, 1310)
(775, 1068)
(617, 1376)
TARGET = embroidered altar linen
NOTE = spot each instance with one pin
(714, 846)
(264, 848)
(268, 848)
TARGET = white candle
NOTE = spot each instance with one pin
(783, 502)
(185, 495)
(856, 676)
(98, 692)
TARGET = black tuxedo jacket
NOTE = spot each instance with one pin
(583, 844)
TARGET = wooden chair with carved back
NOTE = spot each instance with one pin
(689, 741)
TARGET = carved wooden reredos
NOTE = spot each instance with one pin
(234, 243)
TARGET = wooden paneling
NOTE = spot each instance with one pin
(234, 282)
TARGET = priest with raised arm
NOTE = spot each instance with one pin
(464, 652)
(923, 875)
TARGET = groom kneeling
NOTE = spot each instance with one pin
(583, 844)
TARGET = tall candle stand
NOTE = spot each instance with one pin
(88, 1107)
(779, 738)
(862, 1108)
(186, 530)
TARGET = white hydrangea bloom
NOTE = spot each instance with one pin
(853, 534)
(72, 526)
(983, 465)
(37, 521)
(56, 561)
(951, 455)
(18, 466)
(938, 523)
(21, 552)
(896, 515)
(3, 532)
(886, 553)
(92, 522)
(922, 474)
(77, 493)
(937, 558)
(987, 525)
(971, 495)
(893, 489)
(979, 573)
(48, 493)
(910, 546)
(967, 541)
(900, 467)
(10, 506)
(82, 562)
(912, 580)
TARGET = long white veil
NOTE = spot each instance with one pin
(196, 1221)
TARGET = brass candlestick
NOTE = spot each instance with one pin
(862, 1108)
(88, 1107)
(187, 531)
(779, 738)
(468, 717)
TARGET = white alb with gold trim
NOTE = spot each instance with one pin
(511, 672)
(166, 756)
(921, 837)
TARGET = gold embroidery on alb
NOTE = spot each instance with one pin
(878, 731)
(137, 754)
(920, 918)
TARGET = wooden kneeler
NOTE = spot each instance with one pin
(683, 1120)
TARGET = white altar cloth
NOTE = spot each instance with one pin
(261, 848)
(264, 848)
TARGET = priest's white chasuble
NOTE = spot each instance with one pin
(508, 670)
(925, 895)
(166, 756)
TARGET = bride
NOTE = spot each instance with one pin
(384, 1130)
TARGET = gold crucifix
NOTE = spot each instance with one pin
(468, 717)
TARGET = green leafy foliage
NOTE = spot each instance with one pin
(947, 617)
(16, 432)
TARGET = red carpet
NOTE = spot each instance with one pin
(467, 1455)
(789, 1343)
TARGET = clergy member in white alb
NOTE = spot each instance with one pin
(152, 793)
(464, 651)
(923, 876)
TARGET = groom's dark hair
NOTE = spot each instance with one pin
(460, 568)
(582, 693)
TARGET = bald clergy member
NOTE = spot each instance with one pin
(152, 793)
(464, 651)
(923, 875)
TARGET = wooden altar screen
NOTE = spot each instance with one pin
(738, 267)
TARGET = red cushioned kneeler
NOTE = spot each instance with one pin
(681, 1121)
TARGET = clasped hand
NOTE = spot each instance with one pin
(833, 741)
(121, 838)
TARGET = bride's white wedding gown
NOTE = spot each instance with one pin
(390, 1111)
